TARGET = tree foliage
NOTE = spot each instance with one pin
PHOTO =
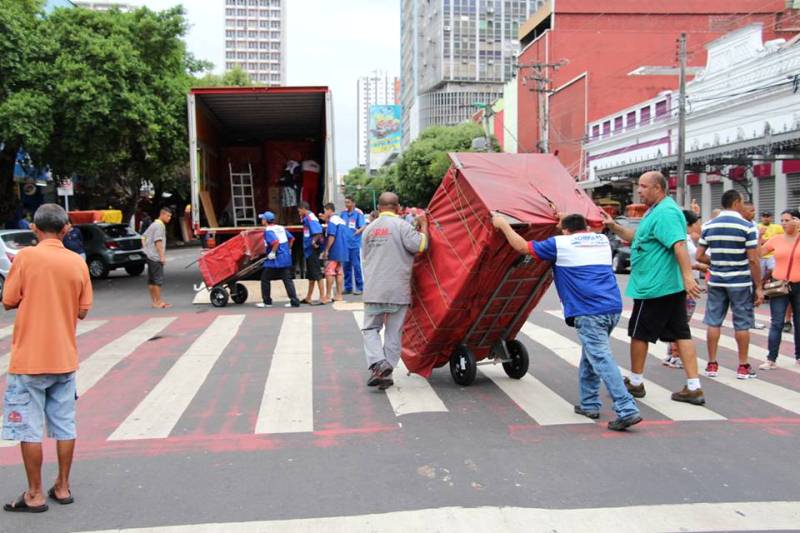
(235, 77)
(100, 95)
(419, 170)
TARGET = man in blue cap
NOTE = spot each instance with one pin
(278, 264)
(354, 224)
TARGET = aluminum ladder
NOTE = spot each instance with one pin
(244, 209)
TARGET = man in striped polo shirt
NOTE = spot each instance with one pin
(732, 245)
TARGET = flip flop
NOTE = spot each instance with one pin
(63, 501)
(306, 302)
(20, 506)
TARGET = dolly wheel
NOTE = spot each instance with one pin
(518, 366)
(239, 294)
(219, 297)
(462, 366)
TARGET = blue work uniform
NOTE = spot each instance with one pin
(353, 222)
(337, 230)
(280, 267)
(311, 227)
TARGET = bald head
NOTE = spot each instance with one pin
(652, 187)
(388, 201)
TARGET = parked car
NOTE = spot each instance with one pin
(620, 249)
(112, 246)
(11, 242)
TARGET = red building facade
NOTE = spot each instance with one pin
(601, 43)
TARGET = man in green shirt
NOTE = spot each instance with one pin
(661, 277)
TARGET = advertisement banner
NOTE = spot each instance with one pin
(385, 134)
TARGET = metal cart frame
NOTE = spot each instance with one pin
(511, 353)
(238, 292)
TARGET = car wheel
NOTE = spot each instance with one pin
(618, 264)
(134, 270)
(97, 268)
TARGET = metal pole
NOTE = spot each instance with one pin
(681, 196)
(542, 83)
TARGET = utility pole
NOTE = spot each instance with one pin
(681, 188)
(542, 87)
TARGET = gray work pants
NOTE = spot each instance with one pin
(390, 350)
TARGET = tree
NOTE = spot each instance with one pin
(236, 77)
(119, 81)
(424, 163)
(25, 104)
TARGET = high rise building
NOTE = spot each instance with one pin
(454, 54)
(255, 39)
(103, 6)
(376, 89)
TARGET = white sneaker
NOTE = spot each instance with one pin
(759, 325)
(769, 365)
(262, 305)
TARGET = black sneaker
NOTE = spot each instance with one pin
(386, 382)
(637, 391)
(621, 424)
(594, 415)
(379, 371)
(787, 327)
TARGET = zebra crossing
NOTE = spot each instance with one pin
(149, 390)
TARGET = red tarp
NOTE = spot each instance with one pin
(224, 261)
(455, 280)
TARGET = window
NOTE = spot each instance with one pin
(630, 121)
(230, 12)
(595, 131)
(230, 33)
(661, 109)
(644, 115)
(617, 123)
(606, 127)
(230, 55)
(230, 44)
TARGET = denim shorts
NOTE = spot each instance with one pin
(32, 399)
(740, 300)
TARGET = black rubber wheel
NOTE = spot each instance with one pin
(518, 366)
(134, 270)
(97, 268)
(219, 297)
(239, 294)
(462, 366)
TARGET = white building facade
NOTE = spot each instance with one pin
(742, 128)
(379, 88)
(102, 6)
(255, 39)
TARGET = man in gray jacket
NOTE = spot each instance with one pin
(389, 246)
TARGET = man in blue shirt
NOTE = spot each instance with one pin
(278, 264)
(335, 252)
(354, 224)
(592, 304)
(732, 244)
(312, 248)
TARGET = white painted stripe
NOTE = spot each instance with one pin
(410, 393)
(532, 396)
(755, 352)
(103, 360)
(83, 327)
(700, 517)
(658, 397)
(6, 331)
(287, 405)
(156, 415)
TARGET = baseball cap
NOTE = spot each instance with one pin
(269, 216)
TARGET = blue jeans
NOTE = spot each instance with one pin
(353, 264)
(777, 311)
(30, 400)
(598, 364)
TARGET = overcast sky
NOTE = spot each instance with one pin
(330, 42)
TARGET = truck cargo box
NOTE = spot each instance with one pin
(471, 290)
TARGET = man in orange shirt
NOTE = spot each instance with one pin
(49, 287)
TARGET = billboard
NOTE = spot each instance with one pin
(385, 133)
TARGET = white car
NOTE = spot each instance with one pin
(11, 242)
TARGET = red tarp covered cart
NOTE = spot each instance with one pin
(471, 292)
(231, 261)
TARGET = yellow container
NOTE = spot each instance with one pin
(112, 216)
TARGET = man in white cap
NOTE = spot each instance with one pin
(278, 264)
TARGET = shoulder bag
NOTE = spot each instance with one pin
(780, 287)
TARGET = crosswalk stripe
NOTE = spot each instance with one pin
(156, 415)
(659, 399)
(83, 327)
(6, 331)
(287, 405)
(411, 393)
(103, 360)
(534, 397)
(725, 341)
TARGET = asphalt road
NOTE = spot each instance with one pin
(251, 419)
